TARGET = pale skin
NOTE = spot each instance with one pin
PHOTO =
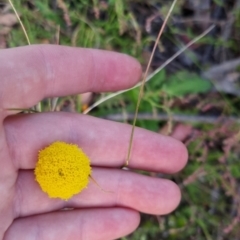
(29, 74)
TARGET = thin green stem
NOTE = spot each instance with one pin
(20, 21)
(100, 101)
(144, 81)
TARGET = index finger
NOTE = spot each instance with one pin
(29, 74)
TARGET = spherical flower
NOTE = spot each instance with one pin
(62, 170)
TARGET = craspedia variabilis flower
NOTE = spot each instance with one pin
(62, 170)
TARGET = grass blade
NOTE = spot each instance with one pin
(153, 74)
(20, 21)
(144, 81)
(38, 106)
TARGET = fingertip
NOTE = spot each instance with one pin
(134, 71)
(119, 222)
(176, 155)
(173, 193)
(131, 220)
(183, 156)
(117, 71)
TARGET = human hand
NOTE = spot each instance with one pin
(29, 74)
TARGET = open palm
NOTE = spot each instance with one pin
(29, 74)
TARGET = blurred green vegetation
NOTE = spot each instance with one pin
(210, 182)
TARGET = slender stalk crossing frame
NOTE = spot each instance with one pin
(144, 81)
(104, 99)
(20, 21)
(38, 106)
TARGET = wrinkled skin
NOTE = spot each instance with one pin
(29, 74)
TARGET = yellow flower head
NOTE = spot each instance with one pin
(62, 170)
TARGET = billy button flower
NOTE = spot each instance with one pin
(62, 170)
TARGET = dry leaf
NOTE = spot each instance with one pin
(182, 132)
(3, 42)
(8, 19)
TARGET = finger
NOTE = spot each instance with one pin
(105, 142)
(97, 224)
(29, 74)
(122, 189)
